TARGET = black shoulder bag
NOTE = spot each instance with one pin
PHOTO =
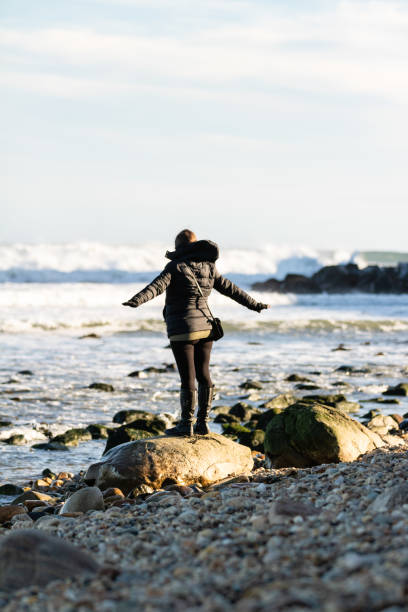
(217, 331)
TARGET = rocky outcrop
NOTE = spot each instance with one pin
(146, 465)
(342, 279)
(28, 557)
(308, 434)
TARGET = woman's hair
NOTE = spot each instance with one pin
(184, 237)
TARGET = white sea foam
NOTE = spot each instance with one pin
(82, 307)
(103, 263)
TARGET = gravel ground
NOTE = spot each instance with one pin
(333, 538)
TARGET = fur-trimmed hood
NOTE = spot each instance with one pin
(201, 250)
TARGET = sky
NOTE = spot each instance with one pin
(250, 122)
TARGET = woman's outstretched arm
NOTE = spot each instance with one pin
(152, 290)
(228, 288)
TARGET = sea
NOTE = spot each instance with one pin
(62, 328)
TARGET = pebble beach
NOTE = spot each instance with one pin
(333, 537)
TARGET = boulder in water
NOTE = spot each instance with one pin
(161, 461)
(243, 411)
(250, 384)
(72, 437)
(298, 378)
(100, 386)
(401, 390)
(10, 489)
(308, 434)
(98, 431)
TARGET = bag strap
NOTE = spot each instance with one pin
(200, 291)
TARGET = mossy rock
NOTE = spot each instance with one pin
(126, 416)
(72, 437)
(326, 399)
(254, 439)
(386, 400)
(124, 434)
(151, 423)
(243, 411)
(308, 434)
(260, 421)
(220, 409)
(234, 429)
(51, 446)
(100, 386)
(226, 418)
(98, 431)
(337, 400)
(283, 400)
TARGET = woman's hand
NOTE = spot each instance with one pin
(130, 303)
(262, 306)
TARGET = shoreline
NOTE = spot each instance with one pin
(332, 537)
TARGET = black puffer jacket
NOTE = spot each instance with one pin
(185, 310)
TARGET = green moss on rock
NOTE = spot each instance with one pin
(308, 434)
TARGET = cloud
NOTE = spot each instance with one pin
(355, 48)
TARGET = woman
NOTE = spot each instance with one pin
(188, 321)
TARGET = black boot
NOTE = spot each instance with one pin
(185, 426)
(205, 398)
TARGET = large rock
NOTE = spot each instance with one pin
(307, 434)
(29, 557)
(154, 463)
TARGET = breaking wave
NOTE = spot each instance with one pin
(102, 263)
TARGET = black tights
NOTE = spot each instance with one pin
(193, 361)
